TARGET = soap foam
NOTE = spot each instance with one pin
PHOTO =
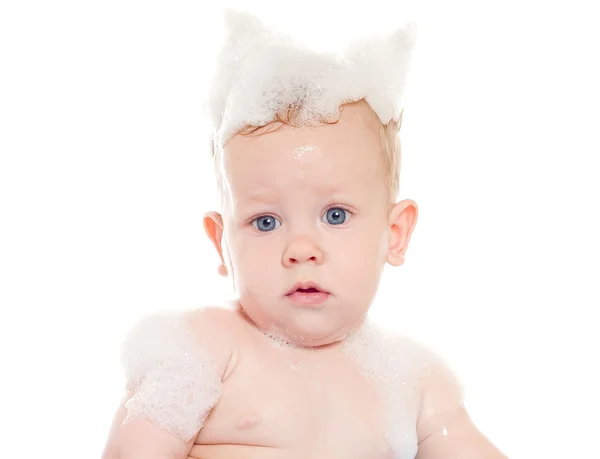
(397, 365)
(174, 380)
(262, 74)
(276, 339)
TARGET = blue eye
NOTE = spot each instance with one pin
(266, 223)
(336, 216)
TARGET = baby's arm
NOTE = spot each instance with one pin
(444, 428)
(142, 439)
(174, 366)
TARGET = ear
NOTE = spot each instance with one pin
(213, 225)
(403, 218)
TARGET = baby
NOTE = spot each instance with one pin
(307, 159)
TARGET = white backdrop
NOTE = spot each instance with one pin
(104, 177)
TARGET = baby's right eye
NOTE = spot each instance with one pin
(266, 223)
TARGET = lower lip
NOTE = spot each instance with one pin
(308, 298)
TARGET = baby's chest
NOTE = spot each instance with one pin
(319, 408)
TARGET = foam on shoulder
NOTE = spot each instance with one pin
(261, 74)
(174, 380)
(398, 365)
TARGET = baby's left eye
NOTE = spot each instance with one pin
(335, 216)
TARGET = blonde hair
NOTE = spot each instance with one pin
(388, 135)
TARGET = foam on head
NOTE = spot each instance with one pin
(263, 76)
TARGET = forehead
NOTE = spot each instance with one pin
(345, 153)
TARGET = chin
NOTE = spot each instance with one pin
(304, 327)
(317, 333)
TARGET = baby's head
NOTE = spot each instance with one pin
(311, 207)
(308, 188)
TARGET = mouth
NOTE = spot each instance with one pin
(306, 287)
(307, 294)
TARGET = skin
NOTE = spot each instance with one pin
(290, 402)
(296, 176)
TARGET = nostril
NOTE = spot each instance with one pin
(292, 260)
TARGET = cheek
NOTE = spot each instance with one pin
(360, 256)
(365, 246)
(253, 261)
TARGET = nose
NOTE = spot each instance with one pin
(302, 251)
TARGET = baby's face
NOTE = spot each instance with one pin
(307, 207)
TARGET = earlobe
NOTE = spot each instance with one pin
(403, 218)
(213, 226)
(222, 270)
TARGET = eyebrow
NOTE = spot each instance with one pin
(265, 196)
(260, 197)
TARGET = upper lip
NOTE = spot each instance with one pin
(305, 285)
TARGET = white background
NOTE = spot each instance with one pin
(104, 177)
